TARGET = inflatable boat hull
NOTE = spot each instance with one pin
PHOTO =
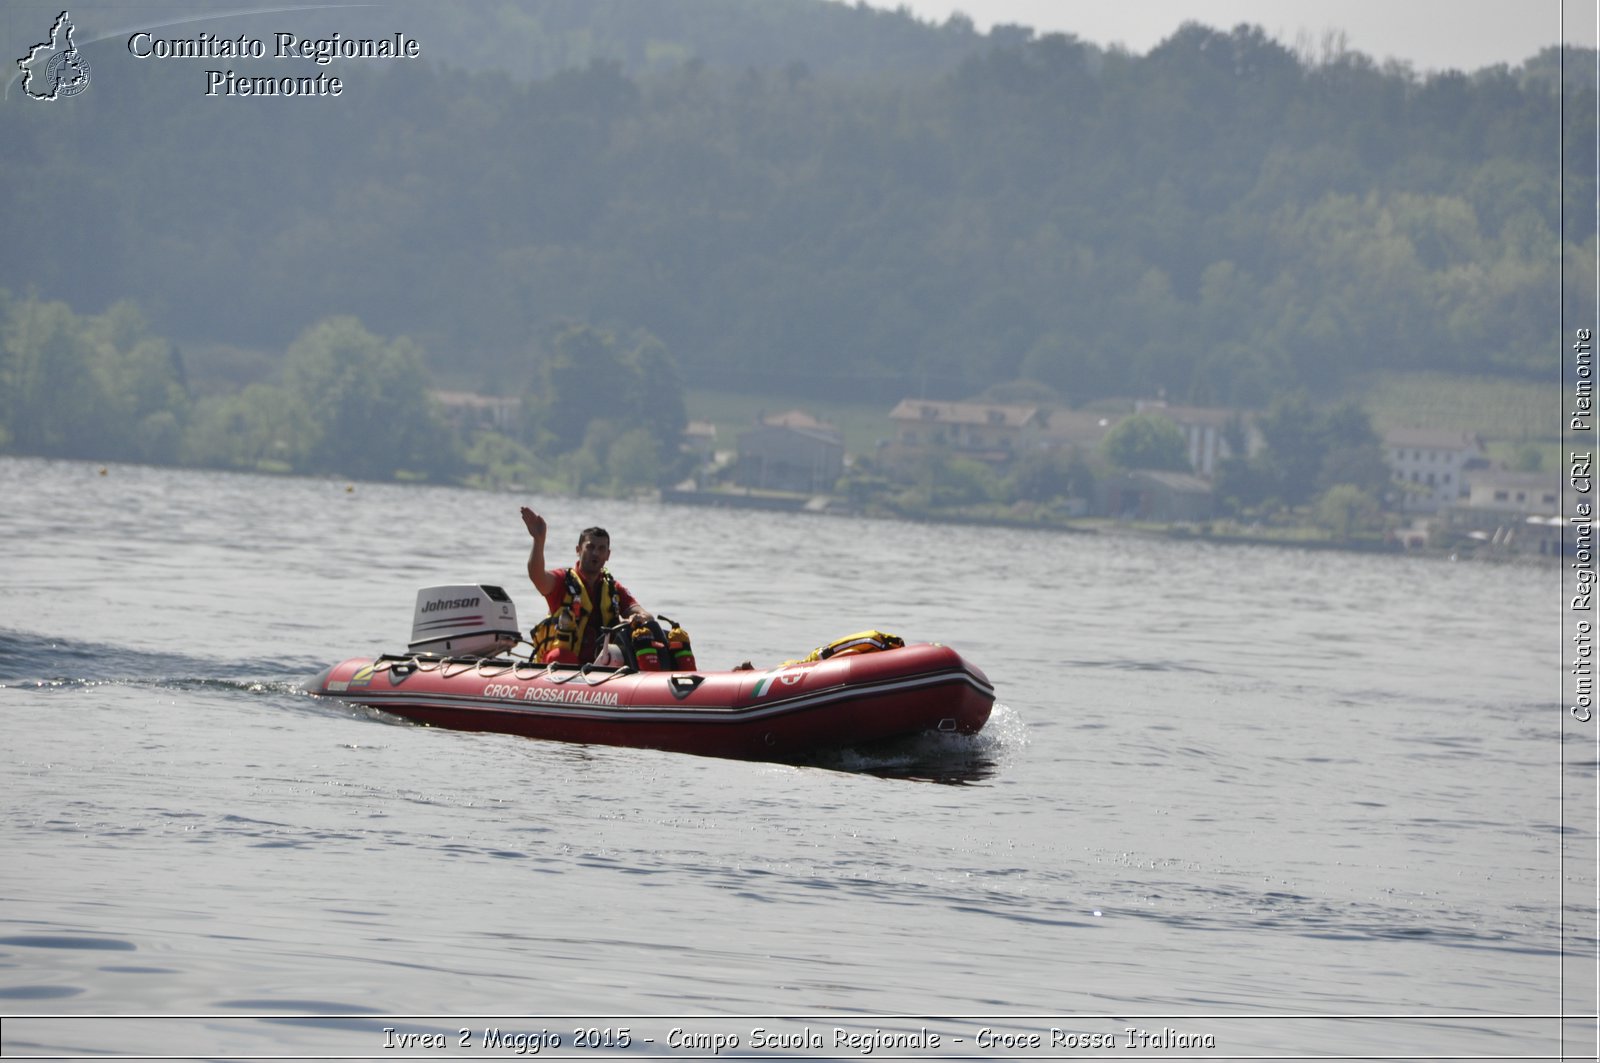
(783, 713)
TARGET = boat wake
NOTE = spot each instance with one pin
(953, 760)
(37, 662)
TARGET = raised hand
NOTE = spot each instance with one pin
(534, 523)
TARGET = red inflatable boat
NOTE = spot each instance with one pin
(844, 700)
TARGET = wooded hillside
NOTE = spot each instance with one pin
(1222, 219)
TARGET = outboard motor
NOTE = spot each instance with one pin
(464, 620)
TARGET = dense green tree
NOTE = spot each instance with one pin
(51, 401)
(942, 479)
(262, 428)
(588, 383)
(146, 402)
(1047, 475)
(1146, 441)
(1308, 451)
(584, 468)
(578, 383)
(1345, 510)
(100, 386)
(655, 395)
(367, 404)
(634, 460)
(497, 460)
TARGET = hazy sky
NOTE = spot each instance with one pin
(1430, 34)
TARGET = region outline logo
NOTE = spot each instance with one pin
(66, 71)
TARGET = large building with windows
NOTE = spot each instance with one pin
(1430, 465)
(993, 433)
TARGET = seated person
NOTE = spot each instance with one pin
(583, 599)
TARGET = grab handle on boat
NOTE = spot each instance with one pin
(683, 685)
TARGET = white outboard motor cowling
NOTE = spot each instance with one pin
(464, 620)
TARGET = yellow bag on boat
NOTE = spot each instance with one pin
(860, 642)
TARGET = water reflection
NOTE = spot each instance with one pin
(950, 760)
(957, 770)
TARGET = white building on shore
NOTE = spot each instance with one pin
(1430, 464)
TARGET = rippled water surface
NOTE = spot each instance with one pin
(1235, 790)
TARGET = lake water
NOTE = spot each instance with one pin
(1233, 801)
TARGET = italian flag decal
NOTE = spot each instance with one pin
(764, 684)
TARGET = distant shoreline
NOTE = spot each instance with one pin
(828, 505)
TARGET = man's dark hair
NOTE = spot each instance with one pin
(594, 533)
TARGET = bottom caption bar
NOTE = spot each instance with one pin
(312, 1036)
